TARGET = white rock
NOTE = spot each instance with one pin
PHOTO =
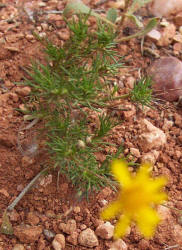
(164, 22)
(76, 210)
(154, 35)
(135, 152)
(103, 202)
(45, 181)
(165, 7)
(177, 234)
(167, 35)
(180, 29)
(41, 4)
(105, 231)
(23, 91)
(88, 238)
(152, 138)
(73, 238)
(42, 34)
(118, 245)
(130, 82)
(150, 156)
(18, 247)
(178, 38)
(167, 124)
(164, 213)
(59, 242)
(119, 4)
(69, 227)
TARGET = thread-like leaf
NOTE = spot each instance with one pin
(77, 7)
(151, 24)
(137, 4)
(112, 15)
(135, 20)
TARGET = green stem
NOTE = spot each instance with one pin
(127, 3)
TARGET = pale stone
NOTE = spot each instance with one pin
(18, 247)
(103, 202)
(119, 4)
(44, 26)
(152, 138)
(118, 245)
(135, 152)
(14, 97)
(150, 157)
(49, 235)
(154, 35)
(30, 37)
(13, 215)
(105, 231)
(42, 34)
(178, 154)
(88, 238)
(167, 35)
(32, 219)
(23, 91)
(164, 213)
(178, 38)
(4, 192)
(68, 228)
(130, 81)
(164, 22)
(165, 7)
(45, 181)
(63, 34)
(177, 48)
(12, 48)
(73, 238)
(83, 227)
(104, 193)
(180, 29)
(167, 124)
(59, 242)
(41, 4)
(27, 161)
(177, 234)
(76, 210)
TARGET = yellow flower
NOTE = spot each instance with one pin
(138, 194)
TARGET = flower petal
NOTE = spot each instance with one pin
(158, 183)
(147, 220)
(153, 188)
(120, 171)
(158, 198)
(121, 226)
(144, 172)
(112, 210)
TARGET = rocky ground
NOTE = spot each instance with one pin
(50, 216)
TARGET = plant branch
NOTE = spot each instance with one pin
(25, 190)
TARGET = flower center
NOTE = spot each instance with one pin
(134, 198)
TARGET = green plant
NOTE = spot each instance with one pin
(73, 96)
(131, 6)
(142, 92)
